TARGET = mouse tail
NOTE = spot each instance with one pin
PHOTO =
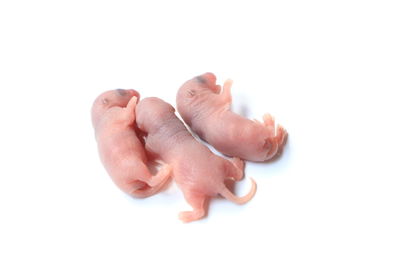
(147, 191)
(240, 200)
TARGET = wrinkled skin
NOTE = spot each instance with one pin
(206, 110)
(198, 172)
(121, 152)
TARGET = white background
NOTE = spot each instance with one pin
(329, 71)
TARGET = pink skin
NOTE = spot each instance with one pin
(121, 152)
(198, 172)
(206, 110)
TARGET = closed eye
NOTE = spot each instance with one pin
(121, 92)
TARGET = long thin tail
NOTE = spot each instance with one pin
(148, 191)
(240, 200)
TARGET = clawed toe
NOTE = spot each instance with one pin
(271, 146)
(268, 118)
(269, 123)
(274, 145)
(282, 135)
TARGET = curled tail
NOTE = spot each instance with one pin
(147, 191)
(240, 200)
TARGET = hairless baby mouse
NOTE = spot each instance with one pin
(206, 110)
(198, 172)
(121, 152)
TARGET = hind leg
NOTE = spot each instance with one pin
(282, 137)
(280, 133)
(163, 174)
(197, 202)
(277, 137)
(235, 169)
(271, 147)
(143, 174)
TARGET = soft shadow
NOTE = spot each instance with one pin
(243, 110)
(282, 158)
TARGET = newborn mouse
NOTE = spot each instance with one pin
(121, 152)
(206, 110)
(198, 172)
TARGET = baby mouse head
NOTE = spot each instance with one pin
(201, 83)
(111, 98)
(206, 81)
(152, 111)
(115, 98)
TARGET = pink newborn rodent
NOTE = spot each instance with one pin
(198, 172)
(121, 152)
(206, 110)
